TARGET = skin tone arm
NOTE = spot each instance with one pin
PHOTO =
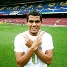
(21, 58)
(45, 57)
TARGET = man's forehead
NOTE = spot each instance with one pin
(31, 16)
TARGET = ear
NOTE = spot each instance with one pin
(41, 22)
(26, 23)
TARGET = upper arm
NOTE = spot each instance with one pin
(18, 55)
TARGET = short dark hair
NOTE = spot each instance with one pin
(34, 13)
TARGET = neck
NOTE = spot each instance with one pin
(34, 34)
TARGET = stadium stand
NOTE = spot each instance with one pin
(45, 21)
(13, 20)
(42, 7)
(63, 21)
(58, 7)
(49, 21)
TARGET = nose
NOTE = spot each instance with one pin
(34, 24)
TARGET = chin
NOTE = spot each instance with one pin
(34, 32)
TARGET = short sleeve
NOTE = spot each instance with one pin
(19, 43)
(47, 42)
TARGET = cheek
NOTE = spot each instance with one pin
(29, 26)
(39, 25)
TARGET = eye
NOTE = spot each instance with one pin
(31, 21)
(37, 21)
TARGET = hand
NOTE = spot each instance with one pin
(28, 40)
(38, 41)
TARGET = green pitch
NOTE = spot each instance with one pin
(8, 33)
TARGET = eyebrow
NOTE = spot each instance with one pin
(35, 20)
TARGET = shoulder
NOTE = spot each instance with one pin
(20, 35)
(47, 35)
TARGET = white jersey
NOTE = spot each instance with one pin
(20, 46)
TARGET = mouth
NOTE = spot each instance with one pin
(34, 29)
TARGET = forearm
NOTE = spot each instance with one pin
(20, 66)
(43, 56)
(26, 57)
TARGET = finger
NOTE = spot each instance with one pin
(39, 33)
(42, 33)
(25, 36)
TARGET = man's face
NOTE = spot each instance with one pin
(34, 24)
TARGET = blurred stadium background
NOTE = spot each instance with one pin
(13, 16)
(54, 12)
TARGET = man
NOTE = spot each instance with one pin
(33, 48)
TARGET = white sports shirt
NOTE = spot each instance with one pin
(19, 44)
